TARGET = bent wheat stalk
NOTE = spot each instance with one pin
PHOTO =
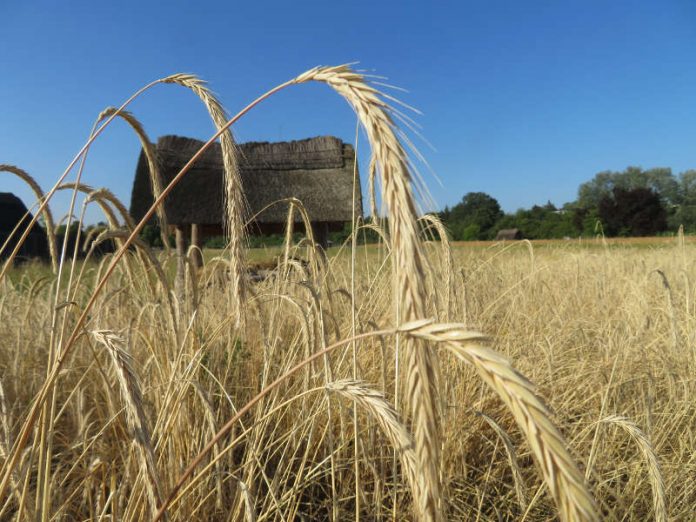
(387, 419)
(150, 156)
(135, 414)
(393, 166)
(517, 477)
(646, 450)
(44, 209)
(234, 197)
(562, 476)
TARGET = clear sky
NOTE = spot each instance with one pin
(522, 100)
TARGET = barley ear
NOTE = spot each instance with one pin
(235, 205)
(392, 164)
(48, 216)
(563, 478)
(386, 417)
(646, 450)
(135, 414)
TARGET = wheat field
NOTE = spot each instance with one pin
(408, 380)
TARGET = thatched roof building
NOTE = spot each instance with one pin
(12, 210)
(317, 171)
(508, 234)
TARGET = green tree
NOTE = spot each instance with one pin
(476, 208)
(632, 212)
(660, 180)
(687, 187)
(541, 222)
(685, 212)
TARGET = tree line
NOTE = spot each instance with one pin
(632, 202)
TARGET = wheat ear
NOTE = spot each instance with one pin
(135, 414)
(47, 214)
(646, 449)
(101, 197)
(562, 476)
(234, 197)
(393, 166)
(150, 156)
(387, 419)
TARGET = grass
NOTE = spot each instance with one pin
(354, 385)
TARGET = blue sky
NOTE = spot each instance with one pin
(522, 100)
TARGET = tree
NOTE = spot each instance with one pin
(540, 222)
(659, 180)
(632, 212)
(476, 208)
(592, 192)
(687, 187)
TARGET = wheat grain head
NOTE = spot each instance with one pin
(393, 166)
(646, 450)
(562, 476)
(386, 417)
(234, 197)
(47, 214)
(135, 414)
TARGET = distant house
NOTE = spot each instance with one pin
(508, 234)
(12, 211)
(317, 171)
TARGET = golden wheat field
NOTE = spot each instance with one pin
(408, 380)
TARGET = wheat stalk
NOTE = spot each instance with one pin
(646, 449)
(434, 222)
(234, 197)
(5, 445)
(372, 176)
(101, 197)
(517, 477)
(393, 166)
(47, 214)
(135, 414)
(248, 502)
(387, 419)
(150, 156)
(562, 476)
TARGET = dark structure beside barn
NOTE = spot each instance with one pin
(317, 171)
(12, 212)
(508, 234)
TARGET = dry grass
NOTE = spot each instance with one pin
(266, 412)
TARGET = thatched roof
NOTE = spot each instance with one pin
(317, 171)
(508, 233)
(12, 210)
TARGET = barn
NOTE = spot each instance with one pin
(317, 171)
(12, 211)
(508, 234)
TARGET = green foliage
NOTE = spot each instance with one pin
(474, 217)
(585, 221)
(632, 212)
(272, 240)
(541, 222)
(683, 215)
(216, 242)
(677, 195)
(471, 232)
(660, 180)
(152, 235)
(365, 235)
(62, 229)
